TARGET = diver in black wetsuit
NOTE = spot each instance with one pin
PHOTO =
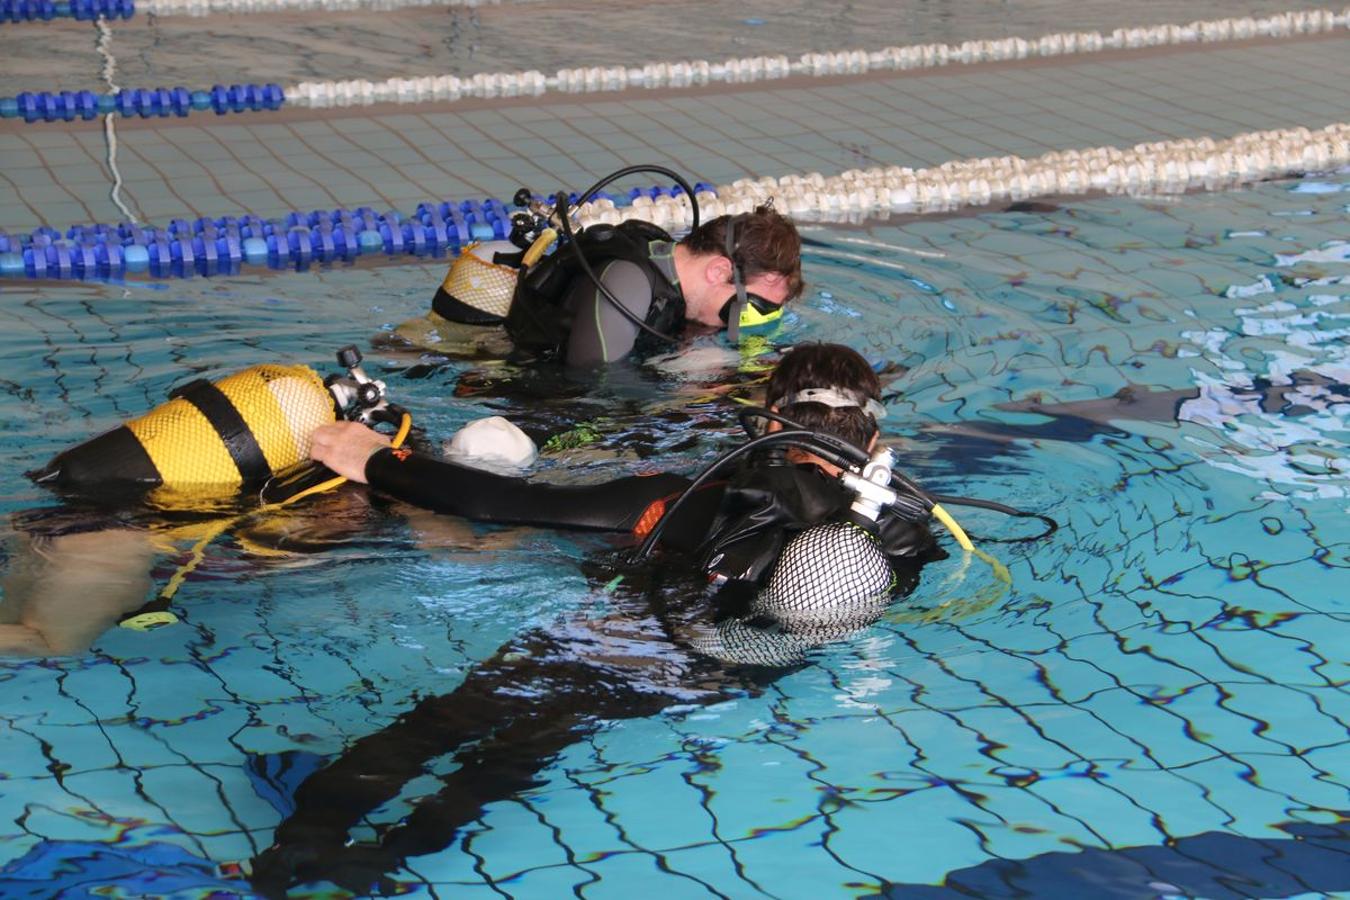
(824, 386)
(793, 573)
(559, 311)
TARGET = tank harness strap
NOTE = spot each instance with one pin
(233, 430)
(447, 307)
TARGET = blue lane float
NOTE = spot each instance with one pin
(49, 106)
(80, 10)
(224, 245)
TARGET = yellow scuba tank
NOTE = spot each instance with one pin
(479, 285)
(210, 437)
(481, 281)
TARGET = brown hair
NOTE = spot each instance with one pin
(765, 241)
(826, 366)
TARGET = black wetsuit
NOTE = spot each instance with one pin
(559, 312)
(617, 505)
(746, 519)
(600, 333)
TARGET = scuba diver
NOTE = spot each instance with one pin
(610, 292)
(817, 388)
(803, 543)
(750, 264)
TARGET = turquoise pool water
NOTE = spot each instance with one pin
(1155, 707)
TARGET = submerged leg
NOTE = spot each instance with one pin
(507, 722)
(67, 590)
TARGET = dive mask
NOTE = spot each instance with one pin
(754, 310)
(744, 310)
(837, 398)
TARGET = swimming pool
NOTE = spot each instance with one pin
(1155, 707)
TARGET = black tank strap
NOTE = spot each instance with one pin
(233, 430)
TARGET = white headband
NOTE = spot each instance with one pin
(836, 398)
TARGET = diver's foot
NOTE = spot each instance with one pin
(361, 869)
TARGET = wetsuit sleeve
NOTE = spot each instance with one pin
(600, 332)
(447, 487)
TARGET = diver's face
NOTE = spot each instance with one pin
(709, 286)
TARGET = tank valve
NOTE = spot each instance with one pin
(349, 357)
(355, 395)
(875, 487)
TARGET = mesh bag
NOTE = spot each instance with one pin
(480, 284)
(829, 581)
(826, 575)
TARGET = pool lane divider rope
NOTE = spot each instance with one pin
(743, 70)
(236, 7)
(46, 10)
(48, 106)
(209, 246)
(1158, 167)
(51, 106)
(80, 10)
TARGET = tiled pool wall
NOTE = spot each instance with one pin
(393, 157)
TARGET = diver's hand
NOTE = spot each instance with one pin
(344, 447)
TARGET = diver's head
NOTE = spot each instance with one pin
(751, 263)
(829, 388)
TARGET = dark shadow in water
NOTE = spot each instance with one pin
(511, 718)
(1214, 865)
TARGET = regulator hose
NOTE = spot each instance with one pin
(562, 206)
(1051, 525)
(612, 177)
(834, 450)
(759, 412)
(566, 223)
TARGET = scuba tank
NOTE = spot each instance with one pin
(480, 283)
(217, 437)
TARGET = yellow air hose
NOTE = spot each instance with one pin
(156, 613)
(957, 531)
(538, 248)
(1000, 571)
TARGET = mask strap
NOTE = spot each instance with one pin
(741, 301)
(836, 399)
